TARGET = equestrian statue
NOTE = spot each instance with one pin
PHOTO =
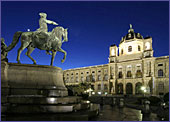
(41, 39)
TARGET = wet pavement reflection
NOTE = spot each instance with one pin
(115, 113)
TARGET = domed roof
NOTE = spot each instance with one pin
(131, 35)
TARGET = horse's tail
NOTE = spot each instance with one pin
(15, 40)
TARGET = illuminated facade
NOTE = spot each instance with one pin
(131, 66)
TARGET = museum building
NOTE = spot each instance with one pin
(131, 66)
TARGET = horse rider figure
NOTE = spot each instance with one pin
(43, 29)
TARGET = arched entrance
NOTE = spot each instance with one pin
(138, 88)
(120, 88)
(129, 88)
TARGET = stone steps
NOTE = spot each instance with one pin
(19, 99)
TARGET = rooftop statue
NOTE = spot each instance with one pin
(41, 39)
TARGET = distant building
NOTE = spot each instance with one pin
(131, 66)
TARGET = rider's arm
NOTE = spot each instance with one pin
(51, 22)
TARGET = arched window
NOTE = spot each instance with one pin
(106, 77)
(99, 77)
(139, 48)
(88, 78)
(120, 74)
(113, 52)
(77, 80)
(67, 79)
(130, 49)
(82, 79)
(105, 87)
(160, 73)
(72, 79)
(138, 74)
(138, 88)
(122, 51)
(129, 74)
(99, 87)
(129, 88)
(147, 45)
(93, 78)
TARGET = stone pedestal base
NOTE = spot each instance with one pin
(28, 79)
(37, 93)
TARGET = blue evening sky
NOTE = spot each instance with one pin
(93, 27)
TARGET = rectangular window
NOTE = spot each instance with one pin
(160, 64)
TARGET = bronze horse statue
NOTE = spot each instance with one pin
(32, 40)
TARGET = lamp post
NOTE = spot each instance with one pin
(143, 88)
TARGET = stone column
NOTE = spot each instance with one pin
(124, 87)
(133, 85)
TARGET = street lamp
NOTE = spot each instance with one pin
(89, 91)
(99, 93)
(143, 88)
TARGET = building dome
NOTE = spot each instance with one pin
(131, 35)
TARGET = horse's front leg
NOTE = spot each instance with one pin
(65, 54)
(53, 56)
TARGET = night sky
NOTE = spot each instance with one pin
(93, 27)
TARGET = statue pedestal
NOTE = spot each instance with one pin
(28, 79)
(37, 93)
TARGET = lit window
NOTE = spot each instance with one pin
(147, 45)
(113, 52)
(130, 49)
